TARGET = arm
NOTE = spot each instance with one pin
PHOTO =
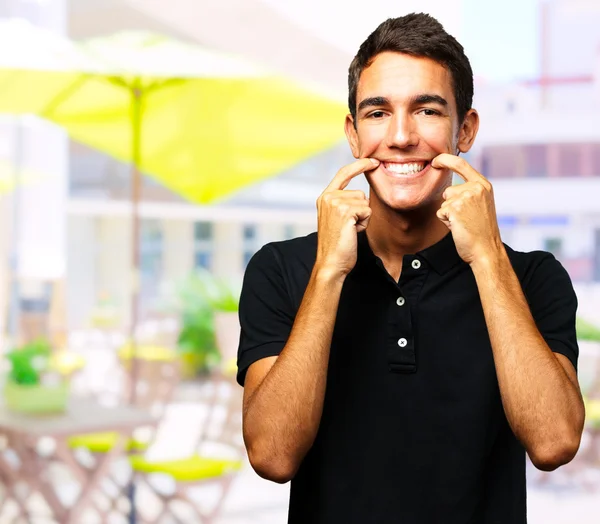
(283, 396)
(539, 388)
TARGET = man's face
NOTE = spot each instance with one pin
(406, 116)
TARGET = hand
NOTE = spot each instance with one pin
(341, 215)
(469, 211)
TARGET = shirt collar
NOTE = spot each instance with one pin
(441, 256)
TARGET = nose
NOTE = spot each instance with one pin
(401, 132)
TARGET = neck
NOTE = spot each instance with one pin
(393, 234)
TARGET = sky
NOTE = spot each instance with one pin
(499, 36)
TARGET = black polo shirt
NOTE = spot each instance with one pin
(413, 430)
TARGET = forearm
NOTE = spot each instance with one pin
(283, 415)
(543, 406)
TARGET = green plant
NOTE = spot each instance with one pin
(587, 330)
(198, 298)
(197, 335)
(28, 362)
(219, 293)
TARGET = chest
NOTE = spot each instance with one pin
(424, 335)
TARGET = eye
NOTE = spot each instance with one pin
(376, 114)
(429, 112)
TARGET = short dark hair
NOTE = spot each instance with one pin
(420, 35)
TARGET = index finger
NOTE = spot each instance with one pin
(347, 173)
(459, 166)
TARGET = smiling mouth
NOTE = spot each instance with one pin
(408, 169)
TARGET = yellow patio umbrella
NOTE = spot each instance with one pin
(36, 65)
(204, 124)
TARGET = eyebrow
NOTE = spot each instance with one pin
(430, 99)
(378, 101)
(374, 101)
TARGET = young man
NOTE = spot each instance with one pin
(398, 363)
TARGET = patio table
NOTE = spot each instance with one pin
(23, 432)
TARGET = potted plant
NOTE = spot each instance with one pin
(224, 298)
(210, 331)
(32, 386)
(196, 341)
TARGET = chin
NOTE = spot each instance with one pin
(409, 204)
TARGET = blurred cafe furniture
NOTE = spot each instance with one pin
(37, 408)
(25, 471)
(155, 384)
(216, 460)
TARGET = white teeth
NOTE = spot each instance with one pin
(405, 169)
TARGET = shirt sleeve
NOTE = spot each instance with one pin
(265, 312)
(553, 304)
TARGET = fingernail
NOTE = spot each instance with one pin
(374, 160)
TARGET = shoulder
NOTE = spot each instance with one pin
(287, 255)
(538, 269)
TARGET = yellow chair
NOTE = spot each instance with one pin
(156, 382)
(66, 362)
(158, 374)
(104, 442)
(222, 429)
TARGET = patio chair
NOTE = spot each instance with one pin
(155, 385)
(218, 458)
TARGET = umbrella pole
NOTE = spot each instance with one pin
(136, 184)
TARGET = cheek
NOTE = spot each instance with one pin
(439, 138)
(369, 139)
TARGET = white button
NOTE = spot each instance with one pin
(400, 301)
(416, 264)
(402, 342)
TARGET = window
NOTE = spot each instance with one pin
(569, 160)
(536, 161)
(502, 162)
(249, 232)
(596, 160)
(203, 244)
(249, 242)
(151, 262)
(554, 245)
(288, 231)
(151, 247)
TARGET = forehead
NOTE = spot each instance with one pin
(398, 76)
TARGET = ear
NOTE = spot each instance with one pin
(352, 136)
(468, 131)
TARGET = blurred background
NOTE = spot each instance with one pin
(147, 151)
